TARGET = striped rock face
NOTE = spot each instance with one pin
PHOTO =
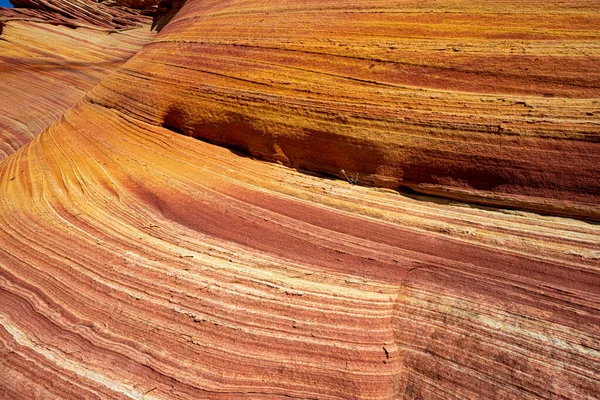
(46, 69)
(50, 59)
(107, 14)
(496, 104)
(139, 262)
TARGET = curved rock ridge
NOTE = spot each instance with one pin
(46, 67)
(140, 263)
(492, 103)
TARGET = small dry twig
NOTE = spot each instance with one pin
(352, 180)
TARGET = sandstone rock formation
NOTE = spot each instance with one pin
(109, 14)
(46, 65)
(139, 262)
(459, 101)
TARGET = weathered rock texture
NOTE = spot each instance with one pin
(46, 66)
(110, 14)
(142, 263)
(493, 103)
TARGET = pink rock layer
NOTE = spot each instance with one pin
(141, 263)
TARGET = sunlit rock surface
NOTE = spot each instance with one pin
(495, 103)
(46, 65)
(139, 262)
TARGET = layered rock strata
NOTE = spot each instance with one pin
(141, 263)
(496, 104)
(107, 14)
(46, 65)
(145, 264)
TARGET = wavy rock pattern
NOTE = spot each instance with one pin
(47, 67)
(492, 103)
(108, 14)
(43, 76)
(141, 263)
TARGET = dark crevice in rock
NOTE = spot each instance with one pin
(164, 13)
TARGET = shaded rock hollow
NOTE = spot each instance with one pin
(503, 113)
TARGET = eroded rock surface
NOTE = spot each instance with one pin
(488, 103)
(139, 262)
(109, 14)
(46, 65)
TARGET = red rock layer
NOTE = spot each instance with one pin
(494, 103)
(141, 263)
(46, 68)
